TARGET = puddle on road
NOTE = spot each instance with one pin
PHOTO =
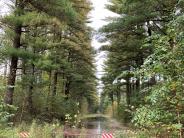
(93, 128)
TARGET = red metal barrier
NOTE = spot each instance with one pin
(105, 135)
(24, 134)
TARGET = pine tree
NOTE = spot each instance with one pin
(17, 21)
(128, 36)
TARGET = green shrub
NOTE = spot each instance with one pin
(6, 113)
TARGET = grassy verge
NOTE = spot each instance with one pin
(133, 134)
(35, 131)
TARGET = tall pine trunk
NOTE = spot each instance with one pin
(118, 94)
(67, 88)
(118, 97)
(55, 78)
(112, 103)
(14, 59)
(5, 70)
(30, 91)
(54, 90)
(13, 67)
(47, 104)
(137, 83)
(128, 91)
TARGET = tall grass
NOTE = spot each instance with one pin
(133, 134)
(35, 130)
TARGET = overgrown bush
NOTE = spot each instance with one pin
(6, 113)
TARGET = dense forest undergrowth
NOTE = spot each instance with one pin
(48, 72)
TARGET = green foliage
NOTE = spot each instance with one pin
(164, 103)
(147, 117)
(123, 114)
(6, 113)
(145, 54)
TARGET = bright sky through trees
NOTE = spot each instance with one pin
(98, 14)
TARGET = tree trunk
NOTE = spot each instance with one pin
(54, 92)
(128, 91)
(47, 104)
(118, 94)
(55, 78)
(63, 84)
(30, 91)
(5, 70)
(152, 81)
(13, 67)
(112, 102)
(137, 83)
(118, 97)
(67, 88)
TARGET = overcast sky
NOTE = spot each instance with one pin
(3, 6)
(98, 14)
